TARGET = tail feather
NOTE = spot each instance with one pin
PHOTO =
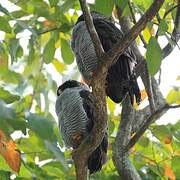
(121, 80)
(99, 156)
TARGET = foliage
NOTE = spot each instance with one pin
(35, 52)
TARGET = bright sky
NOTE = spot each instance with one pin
(170, 70)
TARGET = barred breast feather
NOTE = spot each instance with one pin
(75, 108)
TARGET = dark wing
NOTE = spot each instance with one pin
(120, 78)
(99, 156)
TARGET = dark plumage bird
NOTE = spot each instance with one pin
(75, 109)
(120, 78)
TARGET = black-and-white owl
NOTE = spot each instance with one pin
(120, 78)
(75, 109)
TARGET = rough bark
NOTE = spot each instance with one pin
(121, 159)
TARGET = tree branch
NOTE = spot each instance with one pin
(150, 119)
(90, 26)
(176, 34)
(120, 154)
(125, 41)
(134, 21)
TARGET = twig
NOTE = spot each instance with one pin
(125, 41)
(90, 26)
(171, 9)
(134, 21)
(38, 152)
(176, 31)
(149, 120)
(174, 106)
(48, 30)
(157, 165)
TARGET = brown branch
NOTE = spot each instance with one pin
(90, 26)
(149, 120)
(134, 21)
(171, 9)
(125, 41)
(176, 31)
(121, 159)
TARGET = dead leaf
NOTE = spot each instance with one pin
(168, 139)
(168, 172)
(9, 152)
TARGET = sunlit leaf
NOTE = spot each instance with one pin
(105, 7)
(175, 165)
(163, 27)
(49, 50)
(144, 141)
(4, 25)
(53, 2)
(9, 120)
(173, 96)
(8, 150)
(66, 52)
(58, 153)
(60, 67)
(11, 76)
(153, 56)
(7, 96)
(42, 126)
(15, 49)
(162, 133)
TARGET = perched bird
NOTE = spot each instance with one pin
(75, 109)
(121, 77)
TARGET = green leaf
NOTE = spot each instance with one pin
(4, 25)
(173, 97)
(54, 168)
(31, 56)
(42, 126)
(123, 4)
(3, 58)
(175, 165)
(53, 2)
(66, 52)
(105, 7)
(111, 127)
(10, 76)
(58, 153)
(153, 56)
(24, 104)
(9, 120)
(34, 146)
(49, 50)
(60, 67)
(4, 10)
(19, 14)
(7, 96)
(4, 174)
(143, 5)
(41, 8)
(15, 49)
(161, 132)
(3, 165)
(163, 27)
(144, 141)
